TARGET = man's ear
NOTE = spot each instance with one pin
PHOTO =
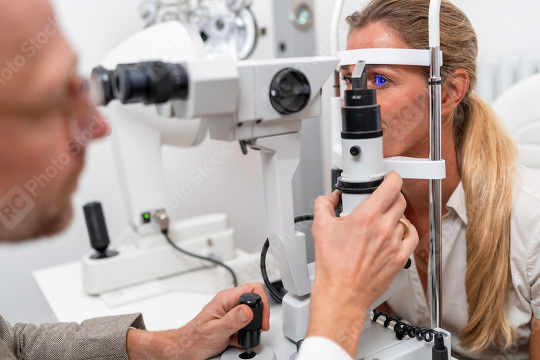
(454, 90)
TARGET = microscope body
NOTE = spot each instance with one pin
(249, 102)
(241, 110)
(244, 112)
(138, 135)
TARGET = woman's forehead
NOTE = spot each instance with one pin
(375, 35)
(348, 69)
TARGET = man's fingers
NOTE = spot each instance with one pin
(326, 205)
(397, 208)
(228, 300)
(409, 243)
(400, 230)
(234, 341)
(233, 321)
(387, 193)
(258, 288)
(334, 198)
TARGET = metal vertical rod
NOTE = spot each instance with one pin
(337, 84)
(435, 198)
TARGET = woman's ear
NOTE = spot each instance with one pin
(454, 90)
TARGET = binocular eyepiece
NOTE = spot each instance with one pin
(152, 82)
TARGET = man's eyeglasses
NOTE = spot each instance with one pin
(76, 108)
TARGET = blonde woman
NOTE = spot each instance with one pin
(42, 109)
(491, 221)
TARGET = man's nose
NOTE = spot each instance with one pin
(100, 126)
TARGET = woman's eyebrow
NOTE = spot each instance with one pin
(382, 66)
(346, 69)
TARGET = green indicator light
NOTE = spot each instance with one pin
(146, 218)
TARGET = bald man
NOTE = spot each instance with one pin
(46, 122)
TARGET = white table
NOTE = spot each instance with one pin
(165, 304)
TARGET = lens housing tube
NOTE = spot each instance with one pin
(152, 82)
(101, 81)
(362, 147)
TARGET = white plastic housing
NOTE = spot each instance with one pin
(213, 89)
(138, 131)
(151, 257)
(255, 117)
(386, 56)
(296, 310)
(280, 156)
(349, 202)
(366, 165)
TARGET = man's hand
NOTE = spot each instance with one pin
(215, 327)
(208, 334)
(357, 256)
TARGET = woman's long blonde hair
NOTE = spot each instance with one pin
(486, 160)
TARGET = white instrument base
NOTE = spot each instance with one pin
(151, 256)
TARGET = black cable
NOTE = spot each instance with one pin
(276, 295)
(217, 262)
(401, 328)
(273, 292)
(303, 218)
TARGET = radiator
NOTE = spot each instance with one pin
(497, 75)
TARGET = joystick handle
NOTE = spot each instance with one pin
(97, 230)
(250, 336)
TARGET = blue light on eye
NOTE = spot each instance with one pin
(379, 80)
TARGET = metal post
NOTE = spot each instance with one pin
(435, 199)
(337, 84)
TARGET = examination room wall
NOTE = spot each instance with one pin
(235, 184)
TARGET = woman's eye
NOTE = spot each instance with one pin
(347, 80)
(380, 80)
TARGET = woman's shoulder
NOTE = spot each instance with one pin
(525, 231)
(526, 204)
(528, 184)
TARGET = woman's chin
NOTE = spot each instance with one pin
(390, 153)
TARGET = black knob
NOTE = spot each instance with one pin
(355, 150)
(97, 230)
(439, 350)
(289, 91)
(250, 336)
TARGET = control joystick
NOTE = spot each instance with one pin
(249, 337)
(97, 231)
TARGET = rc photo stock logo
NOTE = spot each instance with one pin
(14, 207)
